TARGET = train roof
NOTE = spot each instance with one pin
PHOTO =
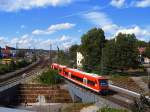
(62, 66)
(54, 64)
(89, 74)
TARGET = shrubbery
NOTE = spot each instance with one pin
(50, 77)
(13, 66)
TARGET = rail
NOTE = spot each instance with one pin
(8, 75)
(125, 91)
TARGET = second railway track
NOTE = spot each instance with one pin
(23, 75)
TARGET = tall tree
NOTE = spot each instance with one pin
(147, 52)
(63, 57)
(73, 55)
(140, 43)
(91, 48)
(121, 53)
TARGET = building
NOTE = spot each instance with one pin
(141, 50)
(143, 59)
(7, 52)
(79, 60)
(146, 60)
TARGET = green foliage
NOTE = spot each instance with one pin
(72, 55)
(147, 52)
(63, 58)
(4, 69)
(22, 63)
(120, 54)
(34, 58)
(141, 104)
(12, 66)
(50, 77)
(140, 43)
(91, 48)
(108, 109)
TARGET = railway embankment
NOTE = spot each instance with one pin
(17, 72)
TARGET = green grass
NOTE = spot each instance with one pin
(108, 109)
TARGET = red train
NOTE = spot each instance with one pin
(91, 81)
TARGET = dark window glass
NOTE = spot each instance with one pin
(103, 82)
(77, 78)
(66, 73)
(92, 83)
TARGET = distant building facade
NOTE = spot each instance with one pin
(79, 59)
(141, 58)
(146, 60)
(7, 52)
(141, 50)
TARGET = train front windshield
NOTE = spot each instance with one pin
(103, 82)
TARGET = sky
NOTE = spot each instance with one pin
(39, 23)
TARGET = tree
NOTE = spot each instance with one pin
(63, 57)
(91, 48)
(140, 43)
(73, 55)
(147, 52)
(120, 53)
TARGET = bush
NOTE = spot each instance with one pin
(22, 63)
(3, 69)
(108, 109)
(12, 66)
(50, 77)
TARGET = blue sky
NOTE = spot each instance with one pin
(37, 23)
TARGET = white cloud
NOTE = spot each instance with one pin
(65, 41)
(134, 3)
(139, 32)
(100, 19)
(117, 3)
(53, 28)
(15, 5)
(64, 38)
(27, 41)
(142, 3)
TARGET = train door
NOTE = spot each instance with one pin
(69, 74)
(85, 81)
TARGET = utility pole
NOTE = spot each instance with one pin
(50, 53)
(57, 54)
(16, 50)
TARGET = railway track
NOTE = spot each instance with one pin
(117, 95)
(23, 76)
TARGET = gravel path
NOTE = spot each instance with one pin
(139, 81)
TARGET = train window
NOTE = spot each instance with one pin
(59, 70)
(77, 78)
(103, 82)
(92, 83)
(66, 73)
